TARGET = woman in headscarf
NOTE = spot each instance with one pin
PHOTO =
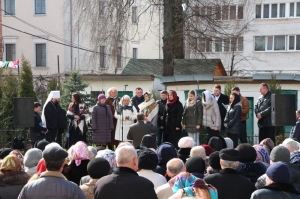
(12, 178)
(262, 155)
(192, 116)
(126, 114)
(150, 109)
(174, 117)
(79, 157)
(112, 101)
(211, 114)
(77, 113)
(20, 157)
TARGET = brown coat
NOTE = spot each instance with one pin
(245, 108)
(109, 102)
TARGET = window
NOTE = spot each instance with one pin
(270, 43)
(10, 52)
(209, 10)
(9, 6)
(282, 10)
(298, 42)
(202, 11)
(259, 43)
(240, 12)
(40, 55)
(134, 15)
(298, 10)
(102, 56)
(274, 11)
(40, 7)
(208, 45)
(119, 57)
(226, 45)
(279, 42)
(266, 10)
(218, 13)
(240, 44)
(258, 11)
(294, 9)
(232, 12)
(201, 44)
(294, 42)
(225, 10)
(218, 45)
(233, 44)
(101, 9)
(134, 53)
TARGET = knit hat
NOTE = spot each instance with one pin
(186, 142)
(148, 141)
(230, 154)
(32, 157)
(41, 166)
(279, 173)
(280, 153)
(101, 96)
(214, 160)
(198, 151)
(92, 151)
(229, 143)
(42, 144)
(247, 153)
(195, 165)
(147, 159)
(208, 149)
(10, 163)
(217, 143)
(4, 152)
(98, 167)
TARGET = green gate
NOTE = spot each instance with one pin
(287, 129)
(250, 121)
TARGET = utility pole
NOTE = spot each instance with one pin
(71, 33)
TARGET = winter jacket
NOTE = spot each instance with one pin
(192, 116)
(136, 101)
(276, 191)
(165, 152)
(102, 121)
(245, 108)
(251, 170)
(51, 185)
(232, 120)
(295, 131)
(263, 107)
(11, 183)
(211, 115)
(138, 130)
(75, 173)
(162, 109)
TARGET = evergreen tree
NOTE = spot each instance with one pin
(26, 88)
(74, 84)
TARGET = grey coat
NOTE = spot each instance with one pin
(232, 120)
(102, 120)
(263, 106)
(51, 185)
(192, 116)
(211, 115)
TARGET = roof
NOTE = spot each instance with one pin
(181, 66)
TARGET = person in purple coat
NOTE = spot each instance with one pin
(102, 122)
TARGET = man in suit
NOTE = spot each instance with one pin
(124, 182)
(221, 99)
(139, 129)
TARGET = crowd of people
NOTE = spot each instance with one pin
(144, 148)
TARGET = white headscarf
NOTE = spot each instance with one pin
(208, 97)
(53, 94)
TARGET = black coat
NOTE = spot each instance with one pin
(174, 117)
(233, 119)
(36, 131)
(136, 101)
(124, 183)
(223, 99)
(74, 173)
(263, 106)
(276, 191)
(162, 108)
(295, 131)
(251, 170)
(230, 185)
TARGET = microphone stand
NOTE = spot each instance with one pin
(122, 114)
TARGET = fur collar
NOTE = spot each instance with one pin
(13, 178)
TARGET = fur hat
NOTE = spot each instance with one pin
(32, 157)
(230, 154)
(186, 142)
(247, 153)
(214, 160)
(198, 151)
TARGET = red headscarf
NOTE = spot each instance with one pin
(41, 166)
(175, 98)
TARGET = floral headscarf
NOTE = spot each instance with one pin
(108, 155)
(262, 154)
(10, 163)
(183, 180)
(19, 155)
(80, 152)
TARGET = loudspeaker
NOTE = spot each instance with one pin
(283, 109)
(23, 112)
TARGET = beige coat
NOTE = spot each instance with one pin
(211, 115)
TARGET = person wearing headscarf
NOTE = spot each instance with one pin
(78, 113)
(174, 117)
(12, 178)
(232, 121)
(19, 155)
(54, 118)
(262, 155)
(211, 114)
(150, 109)
(77, 168)
(102, 122)
(268, 144)
(192, 116)
(112, 101)
(126, 114)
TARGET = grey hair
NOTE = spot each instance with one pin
(125, 154)
(229, 164)
(124, 97)
(175, 166)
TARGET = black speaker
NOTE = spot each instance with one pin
(23, 112)
(283, 108)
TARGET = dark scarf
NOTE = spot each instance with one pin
(286, 187)
(122, 107)
(103, 105)
(115, 101)
(175, 98)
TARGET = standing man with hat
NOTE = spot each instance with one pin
(228, 183)
(52, 183)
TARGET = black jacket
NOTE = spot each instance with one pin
(138, 130)
(136, 101)
(263, 106)
(124, 183)
(36, 131)
(251, 170)
(223, 99)
(276, 191)
(295, 131)
(162, 108)
(230, 185)
(233, 119)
